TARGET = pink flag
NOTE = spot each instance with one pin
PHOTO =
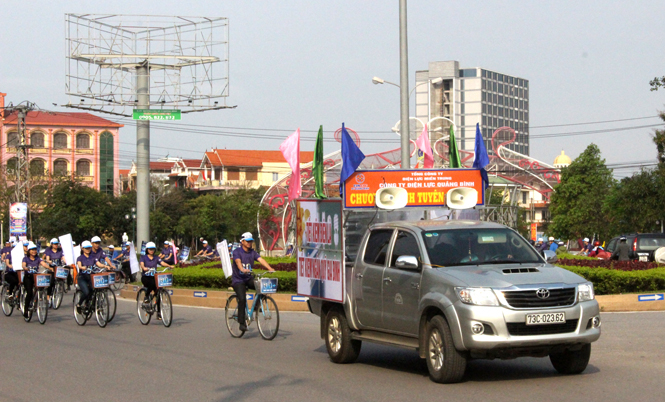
(291, 150)
(423, 143)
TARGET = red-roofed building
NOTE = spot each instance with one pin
(231, 168)
(80, 145)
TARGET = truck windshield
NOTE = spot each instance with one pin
(477, 246)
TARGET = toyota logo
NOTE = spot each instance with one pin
(542, 293)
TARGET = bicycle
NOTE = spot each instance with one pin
(60, 288)
(120, 278)
(267, 313)
(160, 303)
(9, 302)
(97, 303)
(110, 293)
(40, 300)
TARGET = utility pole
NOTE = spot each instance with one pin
(404, 127)
(143, 156)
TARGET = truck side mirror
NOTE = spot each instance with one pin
(407, 262)
(550, 256)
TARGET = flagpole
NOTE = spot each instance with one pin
(404, 129)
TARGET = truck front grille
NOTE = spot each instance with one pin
(521, 329)
(530, 299)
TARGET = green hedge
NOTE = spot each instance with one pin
(609, 281)
(212, 278)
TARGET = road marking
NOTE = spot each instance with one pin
(200, 294)
(653, 297)
(299, 298)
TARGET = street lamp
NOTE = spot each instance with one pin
(435, 81)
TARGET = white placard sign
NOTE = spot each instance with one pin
(223, 250)
(77, 253)
(67, 245)
(17, 257)
(133, 262)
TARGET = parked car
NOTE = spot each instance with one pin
(643, 245)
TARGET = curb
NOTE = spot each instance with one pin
(290, 302)
(217, 299)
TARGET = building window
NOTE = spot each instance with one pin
(82, 141)
(12, 140)
(37, 167)
(59, 141)
(60, 167)
(106, 163)
(83, 167)
(275, 176)
(251, 175)
(12, 163)
(232, 174)
(37, 140)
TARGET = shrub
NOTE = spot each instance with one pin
(612, 281)
(213, 278)
(615, 265)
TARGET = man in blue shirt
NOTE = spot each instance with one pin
(243, 258)
(553, 245)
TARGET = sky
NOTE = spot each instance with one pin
(301, 64)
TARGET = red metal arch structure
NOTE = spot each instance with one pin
(275, 231)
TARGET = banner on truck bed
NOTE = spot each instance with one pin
(320, 248)
(426, 187)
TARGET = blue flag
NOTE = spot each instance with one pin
(480, 158)
(352, 156)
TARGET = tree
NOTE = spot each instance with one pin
(577, 202)
(634, 204)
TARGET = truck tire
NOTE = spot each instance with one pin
(341, 348)
(571, 361)
(446, 364)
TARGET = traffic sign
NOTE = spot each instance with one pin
(156, 114)
(200, 294)
(653, 297)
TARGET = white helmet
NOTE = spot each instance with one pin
(586, 239)
(95, 239)
(150, 245)
(31, 246)
(86, 244)
(55, 241)
(550, 238)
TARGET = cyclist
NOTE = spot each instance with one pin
(6, 249)
(167, 253)
(98, 252)
(85, 265)
(31, 264)
(149, 262)
(11, 277)
(244, 258)
(55, 255)
(206, 251)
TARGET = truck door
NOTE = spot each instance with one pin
(367, 276)
(401, 287)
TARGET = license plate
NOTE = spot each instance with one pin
(644, 258)
(545, 318)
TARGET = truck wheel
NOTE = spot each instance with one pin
(341, 348)
(571, 361)
(445, 363)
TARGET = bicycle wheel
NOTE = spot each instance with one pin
(119, 281)
(42, 306)
(113, 303)
(101, 306)
(231, 313)
(58, 294)
(21, 299)
(7, 307)
(143, 314)
(165, 307)
(267, 317)
(81, 317)
(27, 311)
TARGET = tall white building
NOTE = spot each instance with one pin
(473, 95)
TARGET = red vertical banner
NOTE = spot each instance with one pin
(534, 231)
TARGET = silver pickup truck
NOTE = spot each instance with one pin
(460, 290)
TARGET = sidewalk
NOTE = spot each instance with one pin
(290, 302)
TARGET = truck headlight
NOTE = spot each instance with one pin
(585, 291)
(477, 296)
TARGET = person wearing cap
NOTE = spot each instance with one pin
(111, 250)
(552, 244)
(54, 255)
(123, 259)
(586, 247)
(149, 262)
(243, 258)
(542, 244)
(206, 251)
(6, 249)
(11, 276)
(622, 252)
(167, 253)
(85, 264)
(31, 264)
(98, 252)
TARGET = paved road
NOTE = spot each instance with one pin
(196, 360)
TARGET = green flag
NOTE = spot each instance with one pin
(317, 165)
(453, 154)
